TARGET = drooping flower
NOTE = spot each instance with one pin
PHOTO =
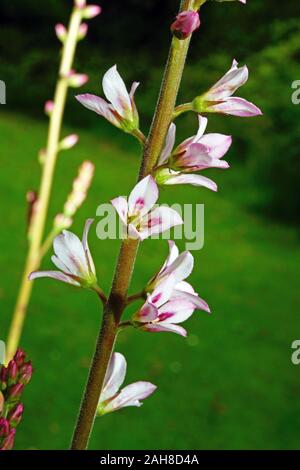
(218, 99)
(185, 24)
(112, 398)
(171, 300)
(73, 258)
(139, 217)
(121, 110)
(197, 153)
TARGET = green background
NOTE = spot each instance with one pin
(231, 383)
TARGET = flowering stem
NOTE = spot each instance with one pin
(38, 223)
(117, 298)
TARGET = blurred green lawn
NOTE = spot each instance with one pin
(230, 385)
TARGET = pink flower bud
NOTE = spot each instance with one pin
(15, 415)
(48, 108)
(185, 24)
(80, 3)
(61, 32)
(91, 11)
(20, 355)
(15, 391)
(4, 427)
(3, 375)
(12, 370)
(68, 142)
(76, 80)
(26, 373)
(8, 443)
(83, 29)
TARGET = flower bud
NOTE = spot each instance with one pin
(26, 373)
(80, 3)
(61, 32)
(48, 108)
(1, 402)
(3, 375)
(82, 32)
(8, 443)
(68, 142)
(19, 357)
(15, 392)
(62, 222)
(91, 11)
(15, 416)
(12, 371)
(76, 80)
(4, 427)
(185, 24)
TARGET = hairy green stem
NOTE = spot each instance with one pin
(118, 296)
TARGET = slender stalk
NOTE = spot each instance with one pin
(38, 224)
(118, 296)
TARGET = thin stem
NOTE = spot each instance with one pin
(182, 108)
(38, 224)
(134, 297)
(100, 294)
(138, 134)
(117, 299)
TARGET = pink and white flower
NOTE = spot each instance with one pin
(112, 398)
(218, 99)
(171, 300)
(121, 110)
(138, 215)
(196, 153)
(185, 24)
(73, 258)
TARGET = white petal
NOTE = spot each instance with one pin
(131, 396)
(202, 126)
(229, 83)
(195, 180)
(121, 206)
(193, 298)
(115, 91)
(178, 310)
(182, 267)
(236, 107)
(59, 264)
(173, 254)
(68, 248)
(133, 90)
(58, 275)
(160, 219)
(86, 245)
(99, 106)
(163, 290)
(217, 143)
(115, 376)
(170, 142)
(143, 197)
(165, 327)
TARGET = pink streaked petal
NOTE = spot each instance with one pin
(177, 310)
(133, 232)
(173, 254)
(195, 180)
(134, 87)
(164, 327)
(99, 106)
(192, 298)
(121, 206)
(115, 376)
(131, 396)
(229, 83)
(169, 145)
(85, 245)
(147, 313)
(218, 144)
(159, 220)
(115, 91)
(202, 127)
(143, 197)
(163, 290)
(59, 276)
(236, 107)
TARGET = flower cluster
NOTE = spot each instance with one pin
(13, 379)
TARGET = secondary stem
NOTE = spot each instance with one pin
(117, 298)
(38, 223)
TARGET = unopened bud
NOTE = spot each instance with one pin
(62, 222)
(3, 375)
(61, 32)
(25, 373)
(91, 11)
(82, 32)
(76, 80)
(68, 142)
(32, 199)
(48, 108)
(12, 372)
(15, 415)
(42, 156)
(185, 24)
(8, 442)
(19, 357)
(15, 391)
(80, 187)
(4, 427)
(80, 3)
